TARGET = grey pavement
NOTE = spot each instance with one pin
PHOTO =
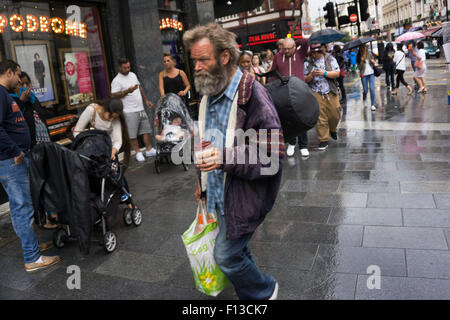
(379, 196)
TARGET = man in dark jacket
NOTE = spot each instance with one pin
(14, 163)
(243, 188)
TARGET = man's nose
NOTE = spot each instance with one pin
(198, 66)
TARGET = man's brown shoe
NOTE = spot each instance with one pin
(46, 262)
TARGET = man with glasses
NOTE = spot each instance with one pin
(290, 62)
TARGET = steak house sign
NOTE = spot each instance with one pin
(31, 23)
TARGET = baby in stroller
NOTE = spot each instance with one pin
(175, 127)
(171, 132)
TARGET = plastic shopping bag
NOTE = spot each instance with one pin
(199, 242)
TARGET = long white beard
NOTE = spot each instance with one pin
(211, 83)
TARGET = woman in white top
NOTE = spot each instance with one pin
(419, 74)
(400, 68)
(107, 116)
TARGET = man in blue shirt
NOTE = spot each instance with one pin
(14, 146)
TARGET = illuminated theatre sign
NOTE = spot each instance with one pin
(169, 23)
(31, 23)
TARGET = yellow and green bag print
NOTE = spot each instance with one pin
(199, 242)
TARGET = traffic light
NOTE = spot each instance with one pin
(363, 8)
(343, 20)
(330, 17)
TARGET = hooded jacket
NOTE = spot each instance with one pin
(292, 66)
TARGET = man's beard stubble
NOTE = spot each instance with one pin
(211, 83)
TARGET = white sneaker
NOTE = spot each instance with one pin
(275, 292)
(140, 157)
(150, 153)
(373, 108)
(290, 150)
(304, 152)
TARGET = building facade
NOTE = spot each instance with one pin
(401, 15)
(70, 49)
(263, 27)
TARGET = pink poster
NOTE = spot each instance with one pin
(83, 72)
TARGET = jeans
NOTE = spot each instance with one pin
(16, 182)
(236, 261)
(368, 82)
(302, 140)
(390, 77)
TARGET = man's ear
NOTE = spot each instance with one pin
(225, 57)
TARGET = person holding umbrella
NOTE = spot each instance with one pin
(366, 64)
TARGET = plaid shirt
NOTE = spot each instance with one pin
(217, 116)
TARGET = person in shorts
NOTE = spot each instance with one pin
(126, 86)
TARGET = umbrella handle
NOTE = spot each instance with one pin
(274, 73)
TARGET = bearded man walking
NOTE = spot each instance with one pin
(241, 194)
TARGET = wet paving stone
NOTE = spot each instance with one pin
(366, 216)
(442, 201)
(309, 186)
(302, 285)
(335, 200)
(439, 218)
(393, 200)
(345, 235)
(425, 187)
(404, 237)
(432, 264)
(356, 260)
(369, 186)
(301, 214)
(135, 266)
(403, 288)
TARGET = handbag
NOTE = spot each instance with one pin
(199, 241)
(342, 73)
(376, 71)
(418, 64)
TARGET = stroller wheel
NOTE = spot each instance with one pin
(59, 237)
(157, 169)
(185, 166)
(109, 242)
(127, 216)
(137, 217)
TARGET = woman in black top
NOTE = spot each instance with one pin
(172, 79)
(389, 66)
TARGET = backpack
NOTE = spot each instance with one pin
(296, 105)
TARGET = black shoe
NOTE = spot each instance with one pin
(333, 135)
(323, 146)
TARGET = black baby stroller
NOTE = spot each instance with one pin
(174, 129)
(85, 187)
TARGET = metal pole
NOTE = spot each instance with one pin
(320, 19)
(357, 21)
(337, 16)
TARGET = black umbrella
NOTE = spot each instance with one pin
(357, 42)
(326, 36)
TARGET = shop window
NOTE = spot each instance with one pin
(60, 46)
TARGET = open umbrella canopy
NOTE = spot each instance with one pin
(326, 36)
(357, 42)
(409, 36)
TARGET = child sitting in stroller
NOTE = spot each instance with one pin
(171, 132)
